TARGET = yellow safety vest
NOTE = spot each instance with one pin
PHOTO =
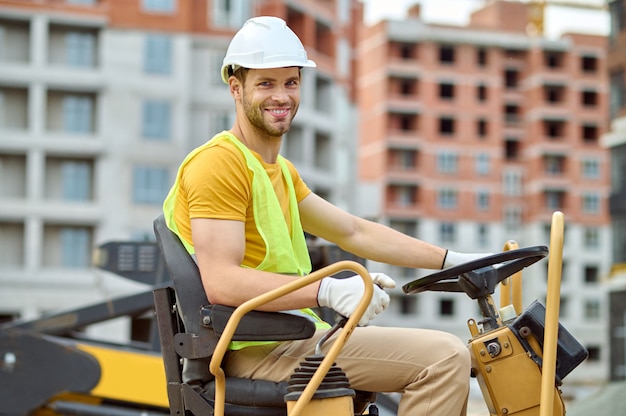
(284, 253)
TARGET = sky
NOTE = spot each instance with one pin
(558, 19)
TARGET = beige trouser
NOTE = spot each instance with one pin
(431, 368)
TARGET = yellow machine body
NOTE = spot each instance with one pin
(510, 380)
(129, 376)
(134, 378)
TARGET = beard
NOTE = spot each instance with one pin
(256, 116)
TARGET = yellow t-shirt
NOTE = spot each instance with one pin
(216, 183)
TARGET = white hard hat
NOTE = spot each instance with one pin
(264, 42)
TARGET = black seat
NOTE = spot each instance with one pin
(189, 328)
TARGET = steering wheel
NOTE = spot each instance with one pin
(478, 277)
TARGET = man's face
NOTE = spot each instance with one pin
(270, 99)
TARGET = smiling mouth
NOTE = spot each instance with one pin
(279, 112)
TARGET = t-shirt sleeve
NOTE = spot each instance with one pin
(217, 184)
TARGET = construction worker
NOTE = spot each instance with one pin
(241, 210)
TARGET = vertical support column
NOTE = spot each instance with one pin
(551, 331)
(35, 157)
(38, 57)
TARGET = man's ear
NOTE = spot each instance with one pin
(235, 87)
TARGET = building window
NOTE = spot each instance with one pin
(446, 90)
(446, 126)
(293, 147)
(159, 6)
(324, 42)
(591, 238)
(618, 168)
(447, 199)
(481, 128)
(13, 177)
(447, 233)
(324, 95)
(617, 93)
(589, 64)
(511, 78)
(403, 195)
(232, 14)
(447, 162)
(591, 203)
(83, 2)
(408, 122)
(618, 19)
(405, 160)
(482, 235)
(591, 274)
(482, 164)
(554, 93)
(76, 180)
(408, 305)
(553, 59)
(592, 309)
(589, 98)
(554, 165)
(405, 123)
(589, 133)
(80, 49)
(481, 92)
(512, 183)
(223, 120)
(77, 114)
(511, 149)
(554, 200)
(158, 54)
(446, 307)
(446, 54)
(408, 51)
(481, 57)
(511, 113)
(150, 184)
(591, 168)
(407, 87)
(512, 217)
(594, 353)
(12, 253)
(482, 200)
(156, 120)
(75, 247)
(323, 154)
(554, 128)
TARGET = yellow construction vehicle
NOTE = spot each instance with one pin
(520, 357)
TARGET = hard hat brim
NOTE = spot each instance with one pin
(268, 65)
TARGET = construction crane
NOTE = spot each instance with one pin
(537, 11)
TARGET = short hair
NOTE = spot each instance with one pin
(240, 73)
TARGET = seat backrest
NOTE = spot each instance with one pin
(188, 286)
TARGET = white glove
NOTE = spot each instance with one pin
(344, 295)
(383, 281)
(454, 259)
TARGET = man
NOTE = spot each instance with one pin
(242, 209)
